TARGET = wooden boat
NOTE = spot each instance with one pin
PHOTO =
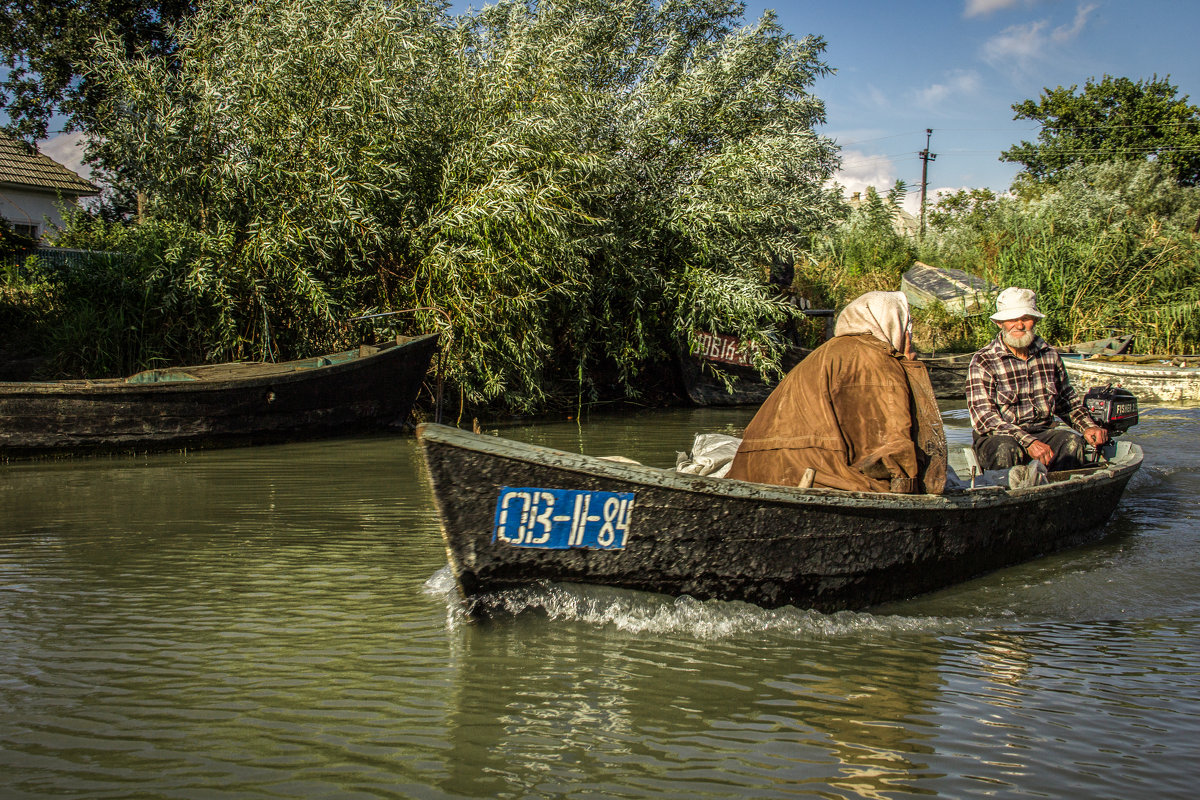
(513, 514)
(1110, 346)
(1166, 379)
(723, 354)
(704, 387)
(948, 373)
(240, 403)
(959, 292)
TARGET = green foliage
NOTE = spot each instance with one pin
(938, 330)
(865, 251)
(1110, 247)
(48, 44)
(12, 243)
(966, 208)
(120, 305)
(575, 186)
(1114, 120)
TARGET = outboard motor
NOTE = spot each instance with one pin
(1113, 408)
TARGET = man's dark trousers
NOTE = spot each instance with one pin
(1000, 451)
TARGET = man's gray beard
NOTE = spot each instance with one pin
(1018, 342)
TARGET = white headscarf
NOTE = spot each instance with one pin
(884, 315)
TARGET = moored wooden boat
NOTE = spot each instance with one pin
(725, 355)
(372, 387)
(1167, 379)
(513, 514)
(1110, 346)
(947, 374)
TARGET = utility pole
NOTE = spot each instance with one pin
(926, 157)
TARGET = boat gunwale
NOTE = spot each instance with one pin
(1128, 370)
(92, 388)
(665, 478)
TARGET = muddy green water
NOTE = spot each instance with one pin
(278, 623)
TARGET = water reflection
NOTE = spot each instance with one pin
(263, 623)
(629, 714)
(846, 710)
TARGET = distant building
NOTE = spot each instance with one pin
(33, 187)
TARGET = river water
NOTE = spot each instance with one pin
(278, 623)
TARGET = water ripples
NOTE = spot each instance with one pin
(279, 622)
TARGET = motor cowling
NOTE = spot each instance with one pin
(1112, 407)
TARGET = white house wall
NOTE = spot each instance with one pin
(31, 208)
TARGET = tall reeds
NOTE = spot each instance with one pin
(1104, 253)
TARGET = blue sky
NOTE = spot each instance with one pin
(957, 67)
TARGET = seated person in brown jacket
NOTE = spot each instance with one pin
(850, 410)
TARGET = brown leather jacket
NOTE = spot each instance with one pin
(847, 411)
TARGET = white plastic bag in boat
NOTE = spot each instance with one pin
(712, 454)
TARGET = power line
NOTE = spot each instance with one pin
(1080, 151)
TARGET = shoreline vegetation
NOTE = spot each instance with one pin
(566, 191)
(1099, 264)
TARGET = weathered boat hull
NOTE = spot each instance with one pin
(767, 545)
(216, 405)
(705, 388)
(1151, 383)
(947, 374)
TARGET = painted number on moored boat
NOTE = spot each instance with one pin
(559, 519)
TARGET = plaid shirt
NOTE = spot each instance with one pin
(1006, 395)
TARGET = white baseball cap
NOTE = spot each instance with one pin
(1014, 303)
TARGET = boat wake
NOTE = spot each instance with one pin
(643, 613)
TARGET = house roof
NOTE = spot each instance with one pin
(25, 168)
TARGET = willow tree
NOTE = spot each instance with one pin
(575, 186)
(295, 143)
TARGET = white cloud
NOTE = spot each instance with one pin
(912, 202)
(67, 149)
(877, 98)
(1018, 47)
(860, 170)
(981, 8)
(1064, 33)
(958, 83)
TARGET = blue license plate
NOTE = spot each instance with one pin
(559, 519)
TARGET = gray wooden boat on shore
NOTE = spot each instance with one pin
(370, 388)
(959, 292)
(514, 514)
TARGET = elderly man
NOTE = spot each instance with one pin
(1016, 386)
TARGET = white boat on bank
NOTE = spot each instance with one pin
(1164, 379)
